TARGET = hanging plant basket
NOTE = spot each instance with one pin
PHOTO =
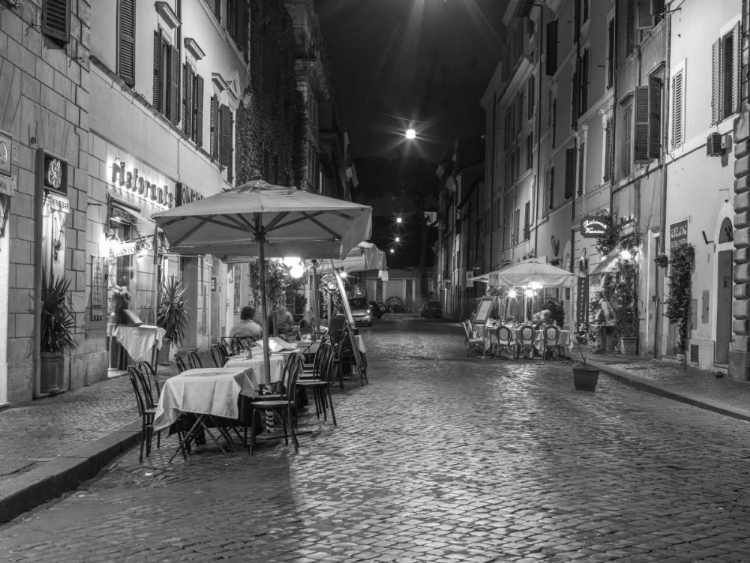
(662, 260)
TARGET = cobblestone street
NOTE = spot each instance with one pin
(442, 457)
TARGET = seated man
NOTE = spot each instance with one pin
(284, 321)
(247, 327)
(337, 323)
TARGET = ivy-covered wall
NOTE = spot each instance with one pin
(266, 126)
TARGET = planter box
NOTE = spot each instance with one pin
(585, 378)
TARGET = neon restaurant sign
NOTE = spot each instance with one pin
(593, 226)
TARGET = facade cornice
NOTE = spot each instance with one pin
(495, 85)
(521, 74)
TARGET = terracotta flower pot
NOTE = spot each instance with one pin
(629, 345)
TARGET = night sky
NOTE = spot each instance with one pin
(425, 60)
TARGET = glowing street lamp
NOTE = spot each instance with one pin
(398, 239)
(399, 220)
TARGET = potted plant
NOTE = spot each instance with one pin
(58, 323)
(585, 377)
(172, 316)
(680, 292)
(626, 318)
(662, 260)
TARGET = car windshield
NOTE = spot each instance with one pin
(358, 303)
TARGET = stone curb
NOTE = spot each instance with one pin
(28, 490)
(650, 386)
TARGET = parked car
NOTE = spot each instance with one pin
(432, 309)
(361, 311)
(377, 312)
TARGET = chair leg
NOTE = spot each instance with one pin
(143, 439)
(283, 424)
(295, 443)
(330, 402)
(252, 430)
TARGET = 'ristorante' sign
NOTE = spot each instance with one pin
(593, 226)
(131, 181)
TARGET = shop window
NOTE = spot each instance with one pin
(126, 41)
(56, 20)
(166, 83)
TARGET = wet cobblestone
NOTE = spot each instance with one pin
(440, 458)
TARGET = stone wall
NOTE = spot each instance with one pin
(44, 92)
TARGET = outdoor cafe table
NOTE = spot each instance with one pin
(141, 342)
(276, 362)
(206, 392)
(489, 334)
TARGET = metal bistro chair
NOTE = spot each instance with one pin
(193, 360)
(149, 374)
(472, 341)
(146, 408)
(505, 342)
(526, 341)
(321, 381)
(283, 406)
(180, 363)
(218, 355)
(551, 339)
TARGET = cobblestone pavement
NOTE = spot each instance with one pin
(440, 458)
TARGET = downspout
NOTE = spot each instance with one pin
(538, 136)
(37, 258)
(665, 176)
(492, 176)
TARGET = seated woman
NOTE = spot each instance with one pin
(247, 327)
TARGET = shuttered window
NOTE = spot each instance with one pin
(677, 111)
(610, 53)
(608, 151)
(725, 78)
(236, 24)
(516, 226)
(570, 172)
(126, 41)
(197, 110)
(173, 110)
(584, 83)
(640, 135)
(530, 98)
(529, 151)
(554, 122)
(166, 81)
(575, 92)
(226, 142)
(551, 62)
(627, 139)
(187, 99)
(551, 203)
(581, 167)
(654, 116)
(56, 20)
(527, 221)
(157, 85)
(215, 125)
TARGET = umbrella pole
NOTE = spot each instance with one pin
(266, 328)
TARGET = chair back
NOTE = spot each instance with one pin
(504, 335)
(291, 366)
(328, 365)
(193, 360)
(180, 363)
(218, 355)
(149, 374)
(526, 334)
(321, 358)
(141, 389)
(551, 334)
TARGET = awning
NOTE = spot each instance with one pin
(607, 263)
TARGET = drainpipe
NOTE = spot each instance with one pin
(663, 222)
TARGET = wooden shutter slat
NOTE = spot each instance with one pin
(56, 19)
(157, 69)
(199, 110)
(174, 86)
(716, 82)
(640, 136)
(736, 66)
(654, 114)
(126, 41)
(551, 62)
(570, 172)
(677, 110)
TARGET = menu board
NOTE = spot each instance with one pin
(483, 311)
(582, 300)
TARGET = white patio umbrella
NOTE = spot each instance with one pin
(533, 272)
(362, 258)
(260, 219)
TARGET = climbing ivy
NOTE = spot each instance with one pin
(681, 290)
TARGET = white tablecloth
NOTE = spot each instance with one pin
(213, 391)
(139, 340)
(276, 362)
(490, 336)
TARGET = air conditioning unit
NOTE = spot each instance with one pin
(715, 144)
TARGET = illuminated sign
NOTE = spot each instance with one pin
(142, 244)
(138, 185)
(55, 174)
(593, 226)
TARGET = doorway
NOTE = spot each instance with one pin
(723, 307)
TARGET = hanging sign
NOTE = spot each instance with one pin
(142, 244)
(678, 233)
(582, 301)
(593, 226)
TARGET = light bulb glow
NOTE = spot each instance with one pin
(512, 293)
(529, 293)
(536, 285)
(398, 239)
(626, 254)
(410, 134)
(398, 220)
(392, 251)
(297, 271)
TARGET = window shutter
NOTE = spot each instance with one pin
(223, 149)
(56, 19)
(581, 164)
(174, 86)
(554, 122)
(574, 100)
(531, 98)
(640, 147)
(126, 41)
(157, 69)
(610, 53)
(654, 113)
(627, 139)
(608, 151)
(240, 37)
(576, 20)
(584, 85)
(552, 188)
(716, 82)
(198, 103)
(551, 62)
(657, 8)
(677, 81)
(644, 14)
(736, 66)
(230, 145)
(516, 226)
(187, 92)
(570, 172)
(527, 221)
(213, 133)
